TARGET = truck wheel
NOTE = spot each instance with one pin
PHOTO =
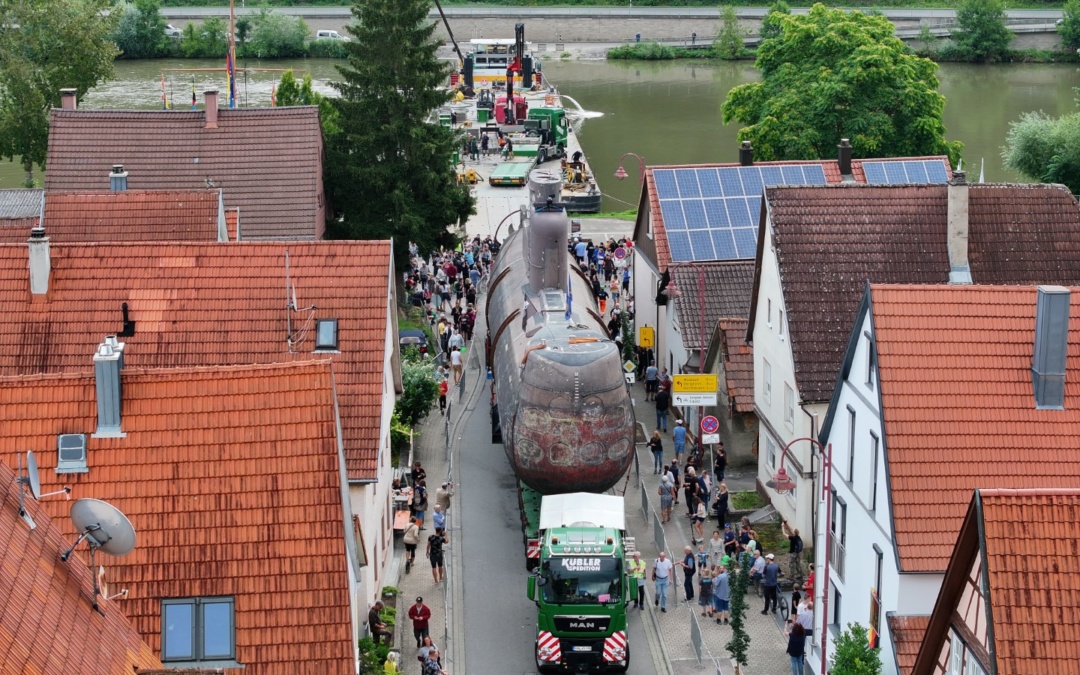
(560, 151)
(541, 156)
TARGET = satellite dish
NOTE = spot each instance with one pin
(103, 526)
(32, 477)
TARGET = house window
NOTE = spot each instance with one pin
(780, 323)
(973, 667)
(789, 405)
(851, 444)
(770, 451)
(871, 361)
(838, 523)
(956, 655)
(767, 383)
(874, 442)
(875, 595)
(197, 629)
(326, 336)
(768, 312)
(836, 606)
(71, 453)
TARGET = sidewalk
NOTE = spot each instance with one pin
(767, 653)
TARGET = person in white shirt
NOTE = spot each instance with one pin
(455, 364)
(456, 341)
(662, 568)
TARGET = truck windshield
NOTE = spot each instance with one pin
(581, 580)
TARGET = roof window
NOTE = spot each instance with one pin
(326, 335)
(71, 453)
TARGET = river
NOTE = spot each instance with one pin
(668, 112)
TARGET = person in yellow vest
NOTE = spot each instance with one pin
(637, 572)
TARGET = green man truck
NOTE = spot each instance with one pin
(581, 585)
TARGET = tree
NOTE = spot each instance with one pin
(1069, 29)
(419, 391)
(772, 24)
(276, 35)
(852, 654)
(243, 33)
(739, 645)
(389, 170)
(1045, 149)
(291, 92)
(208, 40)
(981, 34)
(728, 44)
(47, 45)
(140, 33)
(834, 74)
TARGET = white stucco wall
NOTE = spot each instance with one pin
(644, 279)
(777, 427)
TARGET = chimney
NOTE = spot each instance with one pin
(1051, 347)
(211, 109)
(844, 157)
(746, 154)
(118, 178)
(40, 264)
(108, 362)
(959, 271)
(68, 99)
(117, 347)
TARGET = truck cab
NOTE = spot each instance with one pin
(581, 585)
(550, 127)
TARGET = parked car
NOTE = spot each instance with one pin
(413, 338)
(329, 35)
(173, 32)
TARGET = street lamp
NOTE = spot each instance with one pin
(621, 174)
(782, 483)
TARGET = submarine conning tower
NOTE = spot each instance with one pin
(547, 235)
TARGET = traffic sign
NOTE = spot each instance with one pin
(620, 253)
(694, 384)
(709, 425)
(646, 337)
(694, 399)
(710, 439)
(629, 366)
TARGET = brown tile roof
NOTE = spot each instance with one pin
(132, 215)
(209, 304)
(727, 295)
(48, 624)
(1033, 597)
(738, 364)
(907, 635)
(231, 478)
(954, 365)
(831, 240)
(268, 161)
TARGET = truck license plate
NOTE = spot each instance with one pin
(582, 648)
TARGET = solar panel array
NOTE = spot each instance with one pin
(900, 173)
(712, 213)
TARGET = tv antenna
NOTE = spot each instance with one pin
(103, 527)
(32, 481)
(291, 305)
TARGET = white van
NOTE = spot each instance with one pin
(329, 35)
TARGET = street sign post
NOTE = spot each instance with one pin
(694, 399)
(709, 425)
(646, 337)
(710, 438)
(694, 384)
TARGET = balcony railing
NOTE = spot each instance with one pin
(837, 555)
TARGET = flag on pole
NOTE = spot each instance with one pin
(164, 97)
(192, 92)
(569, 298)
(230, 75)
(273, 96)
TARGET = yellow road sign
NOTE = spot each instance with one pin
(646, 337)
(694, 384)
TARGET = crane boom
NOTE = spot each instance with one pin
(450, 33)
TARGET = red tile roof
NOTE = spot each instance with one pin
(48, 624)
(268, 161)
(727, 295)
(209, 304)
(907, 635)
(1035, 596)
(738, 364)
(831, 240)
(132, 215)
(954, 366)
(231, 477)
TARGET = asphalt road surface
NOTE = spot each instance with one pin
(500, 626)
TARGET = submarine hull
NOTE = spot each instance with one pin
(566, 418)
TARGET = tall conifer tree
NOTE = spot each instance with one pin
(389, 168)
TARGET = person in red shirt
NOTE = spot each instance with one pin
(420, 614)
(444, 387)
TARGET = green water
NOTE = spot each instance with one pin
(667, 112)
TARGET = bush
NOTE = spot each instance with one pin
(729, 44)
(852, 654)
(140, 33)
(372, 656)
(645, 51)
(205, 41)
(1045, 149)
(420, 390)
(1070, 25)
(276, 35)
(981, 33)
(327, 49)
(741, 501)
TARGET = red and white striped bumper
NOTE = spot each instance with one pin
(547, 648)
(615, 647)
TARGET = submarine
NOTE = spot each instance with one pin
(560, 399)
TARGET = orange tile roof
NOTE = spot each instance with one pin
(956, 392)
(131, 215)
(267, 160)
(209, 304)
(907, 635)
(738, 364)
(231, 478)
(1035, 596)
(48, 624)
